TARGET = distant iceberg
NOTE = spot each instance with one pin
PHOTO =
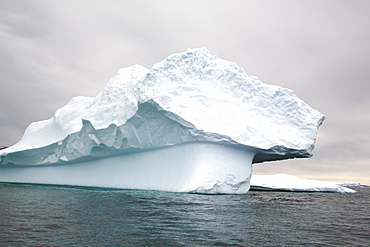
(286, 182)
(191, 123)
(350, 184)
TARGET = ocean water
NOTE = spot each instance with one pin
(33, 215)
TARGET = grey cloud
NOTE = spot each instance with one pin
(23, 19)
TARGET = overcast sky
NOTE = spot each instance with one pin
(51, 51)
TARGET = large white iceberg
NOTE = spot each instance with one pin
(192, 123)
(286, 182)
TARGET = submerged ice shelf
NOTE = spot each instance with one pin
(193, 119)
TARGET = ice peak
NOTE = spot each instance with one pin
(192, 54)
(196, 63)
(195, 69)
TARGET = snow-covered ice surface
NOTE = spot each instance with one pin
(190, 97)
(286, 182)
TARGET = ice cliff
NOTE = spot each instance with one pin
(190, 97)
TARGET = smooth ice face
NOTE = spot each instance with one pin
(286, 182)
(190, 97)
(205, 168)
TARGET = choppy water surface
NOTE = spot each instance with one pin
(33, 215)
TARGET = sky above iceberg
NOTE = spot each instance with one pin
(52, 51)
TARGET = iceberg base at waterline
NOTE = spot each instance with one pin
(207, 168)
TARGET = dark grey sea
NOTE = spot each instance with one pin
(33, 215)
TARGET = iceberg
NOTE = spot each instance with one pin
(286, 182)
(192, 123)
(350, 184)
